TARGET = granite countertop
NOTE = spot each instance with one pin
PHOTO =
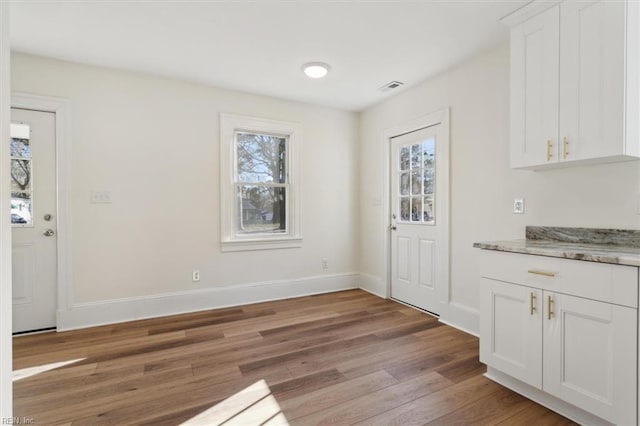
(617, 246)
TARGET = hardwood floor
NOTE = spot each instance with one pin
(340, 358)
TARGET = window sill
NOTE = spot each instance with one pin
(264, 244)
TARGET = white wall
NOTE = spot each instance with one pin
(154, 143)
(482, 184)
(6, 407)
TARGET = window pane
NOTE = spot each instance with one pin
(404, 158)
(404, 209)
(20, 148)
(20, 175)
(262, 209)
(261, 158)
(416, 209)
(415, 183)
(429, 150)
(404, 184)
(428, 181)
(429, 214)
(415, 156)
(21, 208)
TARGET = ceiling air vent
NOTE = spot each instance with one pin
(390, 86)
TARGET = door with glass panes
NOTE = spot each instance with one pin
(418, 256)
(33, 219)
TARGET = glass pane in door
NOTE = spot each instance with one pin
(404, 158)
(405, 209)
(416, 192)
(21, 175)
(404, 184)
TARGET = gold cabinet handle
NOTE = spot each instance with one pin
(549, 146)
(532, 303)
(540, 272)
(565, 150)
(549, 307)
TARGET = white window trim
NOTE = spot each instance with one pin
(229, 124)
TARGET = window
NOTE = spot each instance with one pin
(417, 179)
(21, 175)
(259, 186)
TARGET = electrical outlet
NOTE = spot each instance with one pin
(325, 263)
(195, 276)
(518, 205)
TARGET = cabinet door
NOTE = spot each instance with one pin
(590, 351)
(510, 330)
(534, 90)
(592, 40)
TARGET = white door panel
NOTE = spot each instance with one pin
(510, 330)
(589, 359)
(22, 268)
(427, 259)
(419, 194)
(33, 213)
(404, 259)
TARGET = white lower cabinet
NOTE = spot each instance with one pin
(510, 335)
(581, 351)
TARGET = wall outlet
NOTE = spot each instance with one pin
(195, 276)
(325, 263)
(518, 205)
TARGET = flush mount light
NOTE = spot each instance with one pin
(316, 69)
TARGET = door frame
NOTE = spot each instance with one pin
(440, 117)
(62, 109)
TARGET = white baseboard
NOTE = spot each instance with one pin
(91, 314)
(456, 315)
(374, 285)
(462, 317)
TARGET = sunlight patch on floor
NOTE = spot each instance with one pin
(38, 369)
(254, 405)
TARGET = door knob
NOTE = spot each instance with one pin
(48, 232)
(48, 217)
(393, 227)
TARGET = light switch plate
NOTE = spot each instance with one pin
(100, 197)
(518, 205)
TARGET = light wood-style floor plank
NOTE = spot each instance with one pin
(340, 358)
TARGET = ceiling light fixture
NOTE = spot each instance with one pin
(316, 69)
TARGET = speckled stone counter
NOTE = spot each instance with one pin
(617, 246)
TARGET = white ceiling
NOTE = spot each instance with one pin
(259, 46)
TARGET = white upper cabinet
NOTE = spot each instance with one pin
(534, 89)
(574, 82)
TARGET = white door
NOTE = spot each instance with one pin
(590, 360)
(33, 217)
(510, 330)
(419, 226)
